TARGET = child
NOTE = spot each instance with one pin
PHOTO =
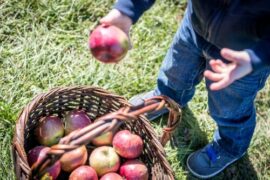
(229, 43)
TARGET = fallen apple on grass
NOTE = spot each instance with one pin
(37, 155)
(74, 158)
(104, 159)
(108, 43)
(83, 173)
(127, 145)
(49, 130)
(134, 170)
(76, 119)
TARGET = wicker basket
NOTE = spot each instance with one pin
(109, 110)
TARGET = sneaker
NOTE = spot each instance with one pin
(209, 161)
(139, 99)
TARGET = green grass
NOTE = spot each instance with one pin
(43, 44)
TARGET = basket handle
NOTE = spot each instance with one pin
(156, 103)
(112, 121)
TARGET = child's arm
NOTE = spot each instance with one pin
(133, 8)
(260, 53)
(116, 18)
(126, 13)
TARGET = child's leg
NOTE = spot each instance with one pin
(183, 65)
(181, 70)
(233, 110)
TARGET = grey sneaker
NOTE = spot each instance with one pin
(138, 99)
(209, 161)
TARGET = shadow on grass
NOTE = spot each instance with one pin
(195, 139)
(188, 138)
(188, 135)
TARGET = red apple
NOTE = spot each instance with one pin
(104, 160)
(83, 173)
(74, 158)
(127, 145)
(111, 176)
(37, 154)
(108, 43)
(49, 130)
(76, 119)
(134, 170)
(103, 139)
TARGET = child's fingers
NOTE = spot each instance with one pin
(220, 84)
(213, 76)
(221, 63)
(234, 56)
(216, 66)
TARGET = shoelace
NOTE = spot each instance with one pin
(212, 154)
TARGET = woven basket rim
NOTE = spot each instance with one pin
(18, 139)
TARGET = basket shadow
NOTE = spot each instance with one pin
(187, 138)
(242, 169)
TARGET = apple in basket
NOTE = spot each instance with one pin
(76, 119)
(37, 154)
(127, 145)
(108, 43)
(104, 159)
(111, 176)
(73, 159)
(134, 169)
(104, 139)
(83, 173)
(49, 130)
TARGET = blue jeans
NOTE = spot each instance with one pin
(232, 108)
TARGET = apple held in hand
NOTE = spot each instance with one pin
(49, 130)
(111, 176)
(127, 145)
(104, 159)
(76, 119)
(133, 170)
(108, 43)
(37, 155)
(74, 158)
(83, 173)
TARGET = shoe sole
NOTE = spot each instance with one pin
(213, 174)
(139, 98)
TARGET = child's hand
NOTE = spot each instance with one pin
(225, 74)
(116, 18)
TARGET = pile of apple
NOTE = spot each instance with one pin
(114, 156)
